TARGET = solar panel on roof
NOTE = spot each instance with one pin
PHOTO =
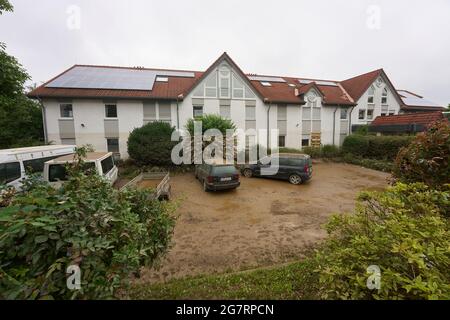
(318, 82)
(266, 79)
(112, 78)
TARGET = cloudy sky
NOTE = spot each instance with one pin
(334, 39)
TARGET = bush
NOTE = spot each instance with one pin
(356, 144)
(380, 165)
(151, 144)
(330, 151)
(376, 147)
(404, 232)
(427, 158)
(211, 121)
(107, 233)
(386, 147)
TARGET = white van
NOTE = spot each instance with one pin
(15, 163)
(102, 162)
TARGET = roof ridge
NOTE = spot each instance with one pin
(133, 68)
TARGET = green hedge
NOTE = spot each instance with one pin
(375, 147)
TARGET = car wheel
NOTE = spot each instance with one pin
(295, 179)
(247, 173)
(205, 187)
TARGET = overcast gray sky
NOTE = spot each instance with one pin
(334, 39)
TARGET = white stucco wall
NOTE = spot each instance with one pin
(362, 103)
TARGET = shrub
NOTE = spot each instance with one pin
(312, 151)
(151, 144)
(403, 231)
(330, 151)
(427, 158)
(380, 165)
(386, 147)
(356, 144)
(211, 121)
(107, 233)
(376, 147)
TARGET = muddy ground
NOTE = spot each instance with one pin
(261, 223)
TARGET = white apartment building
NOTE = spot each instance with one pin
(101, 105)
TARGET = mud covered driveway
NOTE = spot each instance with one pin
(261, 223)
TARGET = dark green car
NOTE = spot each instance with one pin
(217, 176)
(294, 167)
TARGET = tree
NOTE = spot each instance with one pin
(86, 224)
(427, 158)
(5, 6)
(20, 117)
(152, 144)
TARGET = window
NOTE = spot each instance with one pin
(198, 111)
(305, 142)
(224, 82)
(162, 79)
(9, 172)
(384, 96)
(111, 111)
(113, 145)
(107, 165)
(225, 112)
(371, 94)
(66, 110)
(383, 114)
(370, 114)
(250, 117)
(343, 114)
(36, 165)
(281, 141)
(238, 88)
(361, 114)
(391, 113)
(57, 172)
(266, 84)
(307, 113)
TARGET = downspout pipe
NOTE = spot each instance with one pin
(178, 111)
(350, 120)
(334, 124)
(268, 121)
(44, 120)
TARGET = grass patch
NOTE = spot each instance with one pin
(293, 281)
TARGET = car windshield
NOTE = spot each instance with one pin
(58, 172)
(224, 170)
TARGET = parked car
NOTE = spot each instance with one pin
(101, 163)
(294, 167)
(217, 176)
(16, 164)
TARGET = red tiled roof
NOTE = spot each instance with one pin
(422, 118)
(345, 93)
(356, 86)
(161, 90)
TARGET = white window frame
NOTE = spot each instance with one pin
(371, 95)
(359, 114)
(265, 84)
(61, 106)
(162, 79)
(384, 95)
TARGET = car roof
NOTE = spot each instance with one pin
(290, 155)
(90, 157)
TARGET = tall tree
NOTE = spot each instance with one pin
(20, 117)
(5, 6)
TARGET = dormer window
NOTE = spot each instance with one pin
(162, 79)
(266, 84)
(371, 95)
(384, 96)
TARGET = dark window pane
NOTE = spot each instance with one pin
(66, 110)
(198, 111)
(281, 141)
(113, 145)
(9, 172)
(295, 162)
(111, 111)
(57, 172)
(305, 142)
(107, 165)
(36, 165)
(224, 170)
(284, 162)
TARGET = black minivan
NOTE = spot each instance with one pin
(217, 176)
(294, 167)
